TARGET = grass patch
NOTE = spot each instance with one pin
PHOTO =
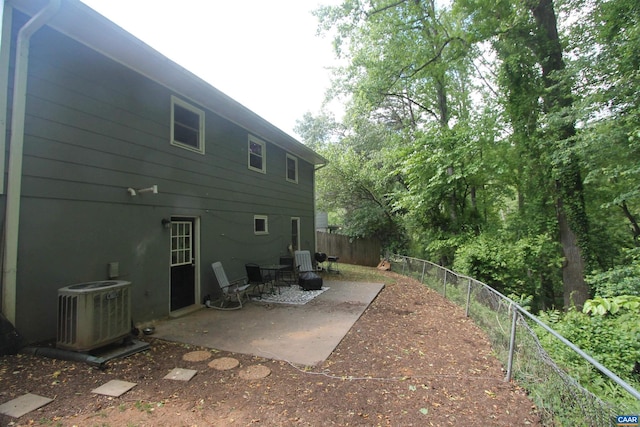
(144, 406)
(358, 273)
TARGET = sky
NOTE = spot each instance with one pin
(265, 54)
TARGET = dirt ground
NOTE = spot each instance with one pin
(412, 359)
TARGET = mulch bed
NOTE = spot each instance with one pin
(412, 359)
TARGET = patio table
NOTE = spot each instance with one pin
(275, 271)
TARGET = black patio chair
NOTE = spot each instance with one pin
(260, 280)
(288, 274)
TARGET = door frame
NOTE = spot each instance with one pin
(196, 260)
(297, 220)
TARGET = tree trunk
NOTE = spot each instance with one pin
(548, 297)
(635, 228)
(575, 290)
(571, 212)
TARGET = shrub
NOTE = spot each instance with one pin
(613, 339)
(511, 267)
(621, 280)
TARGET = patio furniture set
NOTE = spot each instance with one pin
(261, 279)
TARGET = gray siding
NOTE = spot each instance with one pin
(95, 128)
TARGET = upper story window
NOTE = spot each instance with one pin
(292, 168)
(257, 155)
(187, 126)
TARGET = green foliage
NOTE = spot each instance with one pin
(319, 131)
(356, 187)
(601, 306)
(508, 265)
(610, 109)
(612, 339)
(623, 279)
(523, 301)
(463, 139)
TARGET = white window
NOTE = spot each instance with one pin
(292, 168)
(187, 126)
(257, 155)
(260, 224)
(181, 243)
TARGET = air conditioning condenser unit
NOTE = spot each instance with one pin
(93, 314)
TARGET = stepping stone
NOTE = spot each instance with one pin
(224, 363)
(197, 356)
(24, 404)
(114, 388)
(254, 372)
(179, 374)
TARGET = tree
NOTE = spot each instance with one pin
(408, 73)
(355, 185)
(545, 129)
(319, 131)
(608, 45)
(493, 117)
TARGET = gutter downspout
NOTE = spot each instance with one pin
(16, 146)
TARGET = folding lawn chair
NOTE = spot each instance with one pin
(232, 292)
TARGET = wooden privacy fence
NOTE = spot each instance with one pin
(351, 251)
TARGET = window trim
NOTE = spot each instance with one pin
(201, 116)
(261, 143)
(257, 218)
(295, 160)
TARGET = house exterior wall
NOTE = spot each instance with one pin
(95, 128)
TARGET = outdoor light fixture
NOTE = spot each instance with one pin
(166, 223)
(133, 192)
(153, 189)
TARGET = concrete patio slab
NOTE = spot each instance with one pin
(300, 334)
